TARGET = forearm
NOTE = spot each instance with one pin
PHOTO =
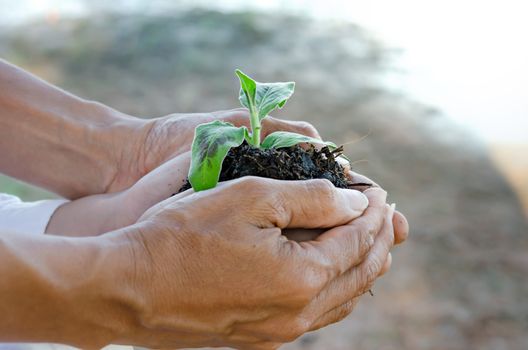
(97, 214)
(55, 140)
(93, 215)
(64, 290)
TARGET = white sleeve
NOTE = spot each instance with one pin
(26, 217)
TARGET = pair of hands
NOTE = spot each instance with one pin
(158, 161)
(190, 251)
(222, 274)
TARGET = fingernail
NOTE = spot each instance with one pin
(364, 199)
(392, 209)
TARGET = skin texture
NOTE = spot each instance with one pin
(288, 287)
(87, 148)
(97, 214)
(214, 268)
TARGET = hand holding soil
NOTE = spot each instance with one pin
(215, 237)
(209, 266)
(149, 143)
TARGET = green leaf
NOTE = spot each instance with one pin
(263, 98)
(211, 143)
(248, 88)
(280, 139)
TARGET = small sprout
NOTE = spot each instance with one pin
(212, 141)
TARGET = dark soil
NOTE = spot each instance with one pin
(293, 163)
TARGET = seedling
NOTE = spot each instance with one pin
(212, 141)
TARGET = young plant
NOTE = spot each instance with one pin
(212, 141)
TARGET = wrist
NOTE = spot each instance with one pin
(126, 287)
(108, 294)
(121, 136)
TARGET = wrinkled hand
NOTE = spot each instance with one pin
(160, 139)
(213, 268)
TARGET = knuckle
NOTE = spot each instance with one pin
(322, 187)
(367, 229)
(365, 242)
(301, 292)
(294, 330)
(237, 115)
(372, 270)
(345, 310)
(311, 283)
(278, 207)
(307, 129)
(250, 184)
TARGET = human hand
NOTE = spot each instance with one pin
(401, 226)
(97, 214)
(235, 280)
(143, 149)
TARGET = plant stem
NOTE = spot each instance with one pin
(255, 127)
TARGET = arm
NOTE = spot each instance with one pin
(56, 289)
(58, 141)
(75, 147)
(200, 269)
(97, 214)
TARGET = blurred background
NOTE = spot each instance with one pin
(429, 97)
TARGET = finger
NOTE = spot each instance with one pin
(294, 204)
(158, 184)
(346, 246)
(355, 178)
(335, 315)
(343, 310)
(237, 116)
(359, 279)
(156, 208)
(371, 267)
(240, 117)
(270, 124)
(164, 180)
(167, 202)
(386, 265)
(401, 227)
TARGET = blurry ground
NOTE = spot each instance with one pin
(459, 283)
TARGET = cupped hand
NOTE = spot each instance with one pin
(168, 178)
(157, 140)
(213, 268)
(401, 225)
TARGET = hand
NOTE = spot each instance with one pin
(158, 140)
(213, 269)
(97, 214)
(401, 226)
(400, 223)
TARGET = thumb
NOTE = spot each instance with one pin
(158, 185)
(306, 204)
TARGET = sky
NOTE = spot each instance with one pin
(467, 58)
